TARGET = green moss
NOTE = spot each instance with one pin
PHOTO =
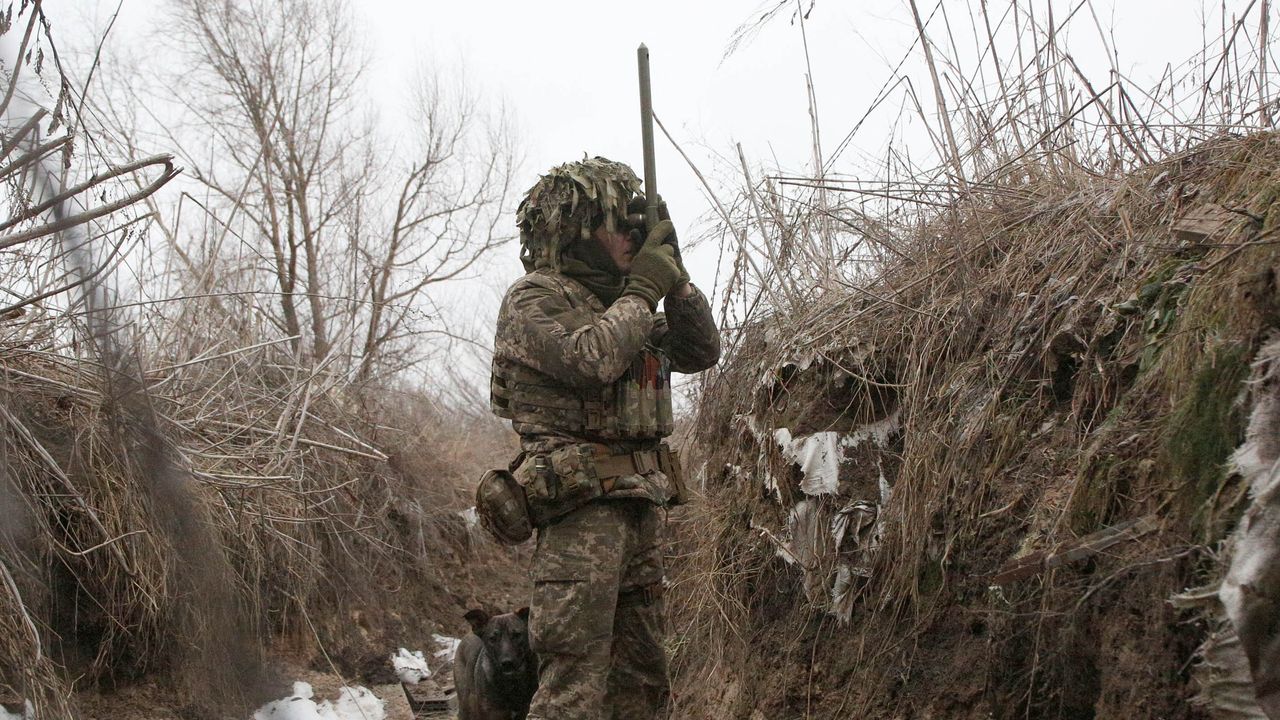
(1205, 427)
(1160, 299)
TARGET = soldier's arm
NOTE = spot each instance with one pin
(688, 332)
(541, 329)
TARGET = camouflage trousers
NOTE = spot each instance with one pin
(598, 638)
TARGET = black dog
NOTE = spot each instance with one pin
(495, 672)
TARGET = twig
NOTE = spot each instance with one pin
(69, 222)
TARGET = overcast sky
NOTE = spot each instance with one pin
(565, 71)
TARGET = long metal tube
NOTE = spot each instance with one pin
(646, 135)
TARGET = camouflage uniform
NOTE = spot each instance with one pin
(596, 613)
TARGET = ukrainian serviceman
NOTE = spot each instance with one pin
(582, 368)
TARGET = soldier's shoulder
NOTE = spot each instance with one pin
(528, 292)
(541, 279)
(542, 282)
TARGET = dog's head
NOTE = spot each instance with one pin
(505, 638)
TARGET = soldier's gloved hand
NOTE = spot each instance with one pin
(664, 214)
(635, 217)
(654, 271)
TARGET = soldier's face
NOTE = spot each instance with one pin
(619, 246)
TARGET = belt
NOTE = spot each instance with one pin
(610, 467)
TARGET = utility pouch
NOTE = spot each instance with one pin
(558, 482)
(669, 464)
(500, 503)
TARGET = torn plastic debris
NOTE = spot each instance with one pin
(819, 457)
(842, 594)
(1247, 593)
(783, 548)
(802, 526)
(411, 667)
(856, 522)
(768, 483)
(821, 454)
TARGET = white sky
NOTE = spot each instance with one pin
(565, 70)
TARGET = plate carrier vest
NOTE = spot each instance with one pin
(636, 406)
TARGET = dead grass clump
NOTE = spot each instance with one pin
(1041, 336)
(302, 510)
(1069, 366)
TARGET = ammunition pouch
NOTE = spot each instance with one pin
(503, 510)
(637, 406)
(563, 480)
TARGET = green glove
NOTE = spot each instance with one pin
(664, 214)
(654, 271)
(635, 217)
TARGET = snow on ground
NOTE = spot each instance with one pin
(411, 667)
(448, 647)
(28, 714)
(353, 704)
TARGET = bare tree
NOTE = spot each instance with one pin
(347, 233)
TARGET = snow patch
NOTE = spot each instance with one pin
(29, 713)
(355, 703)
(879, 432)
(411, 667)
(448, 647)
(470, 517)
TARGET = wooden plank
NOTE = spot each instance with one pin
(1203, 223)
(1087, 546)
(394, 701)
(427, 699)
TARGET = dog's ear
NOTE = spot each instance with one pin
(477, 618)
(523, 614)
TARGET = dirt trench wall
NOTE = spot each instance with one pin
(333, 542)
(980, 499)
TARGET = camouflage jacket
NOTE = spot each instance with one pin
(558, 334)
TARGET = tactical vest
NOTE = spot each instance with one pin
(636, 406)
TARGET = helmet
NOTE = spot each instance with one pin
(569, 203)
(503, 510)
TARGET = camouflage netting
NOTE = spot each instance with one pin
(972, 486)
(565, 205)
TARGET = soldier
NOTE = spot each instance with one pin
(582, 366)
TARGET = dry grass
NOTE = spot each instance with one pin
(1061, 360)
(180, 491)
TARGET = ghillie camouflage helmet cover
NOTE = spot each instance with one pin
(568, 203)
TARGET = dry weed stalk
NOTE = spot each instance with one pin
(1034, 326)
(179, 518)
